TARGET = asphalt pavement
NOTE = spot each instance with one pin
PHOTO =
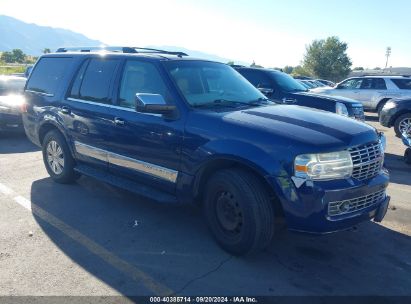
(90, 239)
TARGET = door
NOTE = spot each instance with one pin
(86, 109)
(349, 88)
(372, 91)
(144, 147)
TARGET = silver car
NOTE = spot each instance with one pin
(372, 91)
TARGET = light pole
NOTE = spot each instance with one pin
(387, 54)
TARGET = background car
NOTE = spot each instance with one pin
(283, 88)
(11, 100)
(326, 82)
(372, 91)
(397, 113)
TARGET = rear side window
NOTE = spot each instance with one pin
(48, 74)
(403, 84)
(94, 79)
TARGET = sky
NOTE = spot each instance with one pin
(273, 33)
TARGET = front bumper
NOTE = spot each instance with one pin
(386, 115)
(306, 208)
(11, 122)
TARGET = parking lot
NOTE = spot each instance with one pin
(93, 239)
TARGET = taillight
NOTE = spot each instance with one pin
(23, 107)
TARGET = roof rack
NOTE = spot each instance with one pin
(119, 49)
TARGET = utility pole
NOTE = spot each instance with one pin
(387, 54)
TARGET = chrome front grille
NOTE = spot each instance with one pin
(355, 204)
(367, 160)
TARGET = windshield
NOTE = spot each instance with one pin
(287, 83)
(209, 83)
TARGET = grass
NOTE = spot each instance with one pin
(7, 70)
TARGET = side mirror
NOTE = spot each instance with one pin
(265, 89)
(152, 103)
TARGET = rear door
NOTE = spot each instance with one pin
(372, 91)
(86, 109)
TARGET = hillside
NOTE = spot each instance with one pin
(32, 38)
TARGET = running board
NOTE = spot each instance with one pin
(126, 184)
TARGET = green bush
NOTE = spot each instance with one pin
(7, 70)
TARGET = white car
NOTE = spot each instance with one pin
(372, 91)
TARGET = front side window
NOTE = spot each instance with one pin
(207, 83)
(379, 84)
(287, 83)
(351, 84)
(140, 77)
(257, 78)
(47, 74)
(94, 79)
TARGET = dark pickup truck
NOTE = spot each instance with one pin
(182, 130)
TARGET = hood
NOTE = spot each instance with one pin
(12, 101)
(317, 130)
(317, 95)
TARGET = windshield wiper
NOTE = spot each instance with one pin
(221, 103)
(259, 101)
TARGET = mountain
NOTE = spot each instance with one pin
(32, 38)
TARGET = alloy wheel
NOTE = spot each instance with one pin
(55, 157)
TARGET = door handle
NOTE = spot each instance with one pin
(289, 100)
(119, 121)
(65, 110)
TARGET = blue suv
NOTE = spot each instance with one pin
(182, 130)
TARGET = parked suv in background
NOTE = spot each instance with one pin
(11, 101)
(372, 91)
(182, 130)
(283, 88)
(397, 113)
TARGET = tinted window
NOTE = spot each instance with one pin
(403, 84)
(140, 77)
(257, 78)
(379, 84)
(94, 81)
(373, 84)
(48, 74)
(287, 83)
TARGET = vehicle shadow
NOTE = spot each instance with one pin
(139, 247)
(16, 143)
(371, 118)
(400, 172)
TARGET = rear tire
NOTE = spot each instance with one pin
(239, 211)
(401, 123)
(58, 159)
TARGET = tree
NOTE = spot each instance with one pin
(18, 55)
(288, 69)
(358, 69)
(300, 71)
(377, 68)
(46, 51)
(327, 59)
(7, 57)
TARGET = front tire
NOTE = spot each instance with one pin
(407, 156)
(58, 159)
(239, 211)
(402, 123)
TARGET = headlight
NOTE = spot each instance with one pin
(335, 165)
(341, 109)
(389, 105)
